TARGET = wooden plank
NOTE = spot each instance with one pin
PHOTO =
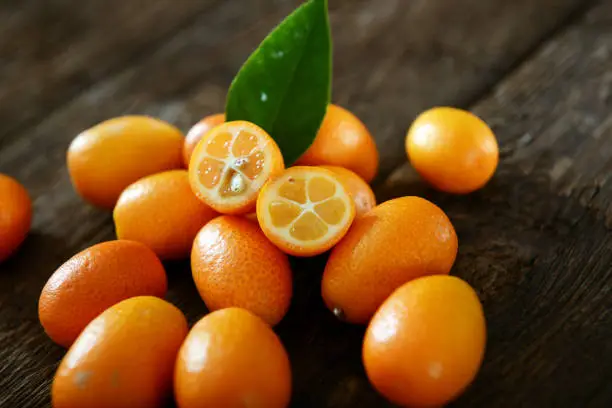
(51, 50)
(537, 241)
(187, 78)
(412, 63)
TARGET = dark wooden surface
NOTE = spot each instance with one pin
(536, 243)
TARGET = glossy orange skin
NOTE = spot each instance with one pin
(426, 343)
(162, 212)
(110, 156)
(92, 281)
(234, 265)
(344, 141)
(362, 193)
(452, 149)
(232, 359)
(399, 240)
(123, 359)
(197, 131)
(15, 215)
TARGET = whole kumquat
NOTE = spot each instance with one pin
(124, 357)
(344, 141)
(92, 281)
(425, 344)
(15, 215)
(399, 240)
(108, 157)
(234, 264)
(232, 358)
(162, 212)
(452, 149)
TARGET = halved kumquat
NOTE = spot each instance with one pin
(305, 211)
(230, 165)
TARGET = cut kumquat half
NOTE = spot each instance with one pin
(230, 165)
(305, 211)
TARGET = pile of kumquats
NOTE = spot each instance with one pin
(223, 196)
(239, 194)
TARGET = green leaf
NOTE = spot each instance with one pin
(285, 85)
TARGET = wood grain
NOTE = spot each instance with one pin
(537, 241)
(53, 49)
(451, 57)
(392, 59)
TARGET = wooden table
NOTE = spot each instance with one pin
(536, 242)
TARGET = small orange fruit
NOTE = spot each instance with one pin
(15, 215)
(197, 131)
(305, 211)
(234, 264)
(425, 344)
(110, 156)
(452, 149)
(162, 212)
(124, 357)
(231, 163)
(232, 358)
(344, 141)
(399, 240)
(92, 281)
(362, 193)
